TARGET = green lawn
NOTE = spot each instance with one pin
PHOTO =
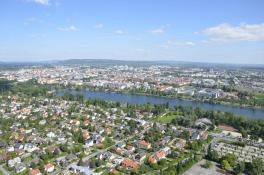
(165, 119)
(259, 95)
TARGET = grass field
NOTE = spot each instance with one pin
(166, 118)
(259, 95)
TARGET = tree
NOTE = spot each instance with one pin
(64, 148)
(243, 132)
(81, 163)
(173, 154)
(169, 172)
(162, 162)
(207, 164)
(257, 167)
(231, 158)
(225, 165)
(213, 155)
(143, 169)
(185, 135)
(179, 168)
(78, 137)
(92, 163)
(239, 168)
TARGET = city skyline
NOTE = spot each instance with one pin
(223, 32)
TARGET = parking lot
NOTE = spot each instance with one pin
(197, 169)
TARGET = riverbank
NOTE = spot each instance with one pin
(173, 97)
(143, 99)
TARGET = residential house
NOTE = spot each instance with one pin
(139, 157)
(13, 162)
(114, 171)
(80, 170)
(130, 164)
(130, 148)
(85, 134)
(157, 156)
(144, 144)
(88, 143)
(49, 167)
(20, 167)
(35, 172)
(29, 147)
(195, 136)
(180, 143)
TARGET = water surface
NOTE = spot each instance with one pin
(142, 99)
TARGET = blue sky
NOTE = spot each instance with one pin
(226, 31)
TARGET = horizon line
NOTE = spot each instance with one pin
(129, 60)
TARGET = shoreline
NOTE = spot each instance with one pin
(177, 98)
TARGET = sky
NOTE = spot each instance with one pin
(221, 31)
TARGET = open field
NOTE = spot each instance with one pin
(259, 95)
(165, 118)
(197, 169)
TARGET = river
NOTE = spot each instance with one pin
(142, 99)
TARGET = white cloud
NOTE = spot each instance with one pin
(169, 44)
(242, 32)
(160, 30)
(184, 43)
(157, 31)
(71, 28)
(119, 32)
(42, 2)
(99, 26)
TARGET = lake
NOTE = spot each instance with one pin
(142, 99)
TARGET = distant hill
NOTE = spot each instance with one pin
(98, 62)
(17, 65)
(107, 62)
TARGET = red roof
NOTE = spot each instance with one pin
(114, 171)
(49, 165)
(129, 147)
(152, 159)
(85, 134)
(107, 130)
(35, 172)
(86, 122)
(144, 143)
(130, 164)
(160, 154)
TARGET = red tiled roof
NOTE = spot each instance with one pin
(114, 171)
(85, 134)
(152, 160)
(130, 164)
(129, 147)
(34, 172)
(144, 143)
(49, 165)
(160, 154)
